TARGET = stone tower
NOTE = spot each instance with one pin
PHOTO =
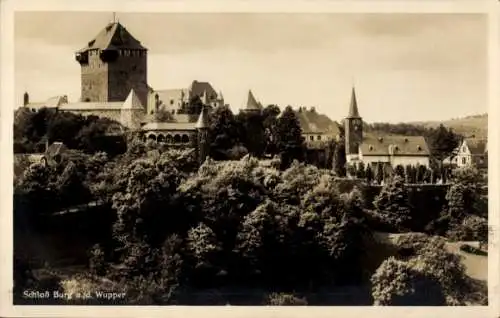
(112, 64)
(203, 144)
(353, 126)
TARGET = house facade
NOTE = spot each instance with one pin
(387, 149)
(472, 152)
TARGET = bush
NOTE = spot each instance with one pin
(433, 276)
(472, 250)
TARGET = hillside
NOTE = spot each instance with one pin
(476, 125)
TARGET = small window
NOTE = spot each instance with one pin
(464, 160)
(319, 137)
(171, 102)
(311, 138)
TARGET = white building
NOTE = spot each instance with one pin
(391, 149)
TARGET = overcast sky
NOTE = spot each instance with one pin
(405, 67)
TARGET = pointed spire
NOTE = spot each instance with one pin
(220, 96)
(252, 103)
(353, 108)
(132, 101)
(202, 122)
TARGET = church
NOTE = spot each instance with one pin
(391, 150)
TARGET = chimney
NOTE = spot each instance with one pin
(313, 109)
(26, 99)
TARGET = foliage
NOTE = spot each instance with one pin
(163, 116)
(432, 276)
(290, 142)
(224, 132)
(392, 203)
(339, 160)
(89, 134)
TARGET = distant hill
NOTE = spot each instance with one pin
(476, 125)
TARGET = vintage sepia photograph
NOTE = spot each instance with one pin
(250, 158)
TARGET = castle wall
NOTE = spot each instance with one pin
(128, 71)
(94, 79)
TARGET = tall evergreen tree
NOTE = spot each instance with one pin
(339, 161)
(289, 134)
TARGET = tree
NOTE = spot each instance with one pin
(163, 116)
(393, 204)
(379, 172)
(224, 132)
(339, 160)
(252, 132)
(270, 123)
(360, 173)
(369, 173)
(290, 141)
(442, 142)
(400, 171)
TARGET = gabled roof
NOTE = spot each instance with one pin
(373, 145)
(312, 122)
(199, 88)
(476, 146)
(353, 107)
(114, 36)
(252, 103)
(132, 101)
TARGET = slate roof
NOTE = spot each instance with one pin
(373, 145)
(353, 107)
(476, 146)
(199, 88)
(113, 36)
(312, 122)
(132, 101)
(252, 103)
(202, 121)
(168, 126)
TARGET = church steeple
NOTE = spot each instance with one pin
(353, 108)
(353, 127)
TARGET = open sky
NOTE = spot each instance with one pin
(405, 67)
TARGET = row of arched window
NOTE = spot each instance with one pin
(177, 138)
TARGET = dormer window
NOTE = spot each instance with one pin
(419, 148)
(380, 139)
(370, 148)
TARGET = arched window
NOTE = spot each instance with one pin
(152, 137)
(177, 138)
(160, 138)
(169, 139)
(185, 138)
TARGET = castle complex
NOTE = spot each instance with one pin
(114, 85)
